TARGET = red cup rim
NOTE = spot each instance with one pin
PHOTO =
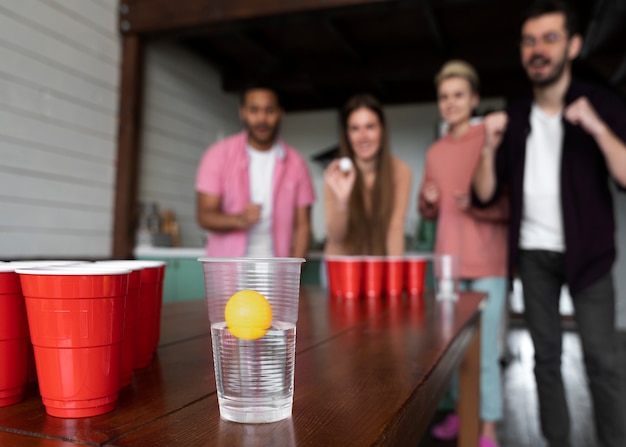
(374, 258)
(73, 271)
(125, 264)
(50, 263)
(149, 263)
(343, 258)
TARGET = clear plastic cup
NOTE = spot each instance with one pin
(447, 271)
(254, 378)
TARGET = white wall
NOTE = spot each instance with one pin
(185, 112)
(412, 130)
(59, 70)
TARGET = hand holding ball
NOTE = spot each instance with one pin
(345, 164)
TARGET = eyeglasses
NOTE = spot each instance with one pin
(546, 39)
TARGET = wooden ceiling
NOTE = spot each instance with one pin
(319, 52)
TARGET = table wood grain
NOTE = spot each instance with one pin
(368, 372)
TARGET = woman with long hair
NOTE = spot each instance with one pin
(478, 237)
(365, 202)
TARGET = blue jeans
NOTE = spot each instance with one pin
(490, 378)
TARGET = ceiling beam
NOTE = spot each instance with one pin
(261, 48)
(343, 40)
(388, 67)
(435, 27)
(160, 16)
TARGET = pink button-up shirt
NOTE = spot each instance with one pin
(223, 172)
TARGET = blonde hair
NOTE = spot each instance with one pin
(458, 68)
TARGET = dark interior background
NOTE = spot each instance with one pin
(393, 49)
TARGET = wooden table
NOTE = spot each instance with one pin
(367, 373)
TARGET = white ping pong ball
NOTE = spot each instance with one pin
(345, 164)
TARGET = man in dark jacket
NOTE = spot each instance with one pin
(556, 150)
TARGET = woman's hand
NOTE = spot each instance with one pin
(340, 182)
(463, 200)
(431, 193)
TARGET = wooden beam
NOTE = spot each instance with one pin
(261, 48)
(343, 40)
(128, 146)
(158, 16)
(435, 27)
(387, 67)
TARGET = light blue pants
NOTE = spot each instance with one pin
(490, 378)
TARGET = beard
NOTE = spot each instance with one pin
(552, 77)
(259, 133)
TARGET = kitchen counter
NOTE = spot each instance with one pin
(146, 251)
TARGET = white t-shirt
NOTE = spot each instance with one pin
(542, 217)
(261, 171)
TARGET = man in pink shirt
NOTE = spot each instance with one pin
(254, 192)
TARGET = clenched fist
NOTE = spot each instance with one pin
(582, 113)
(495, 125)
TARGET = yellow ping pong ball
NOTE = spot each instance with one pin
(248, 315)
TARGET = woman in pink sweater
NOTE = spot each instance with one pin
(478, 237)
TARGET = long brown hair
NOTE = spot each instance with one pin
(367, 231)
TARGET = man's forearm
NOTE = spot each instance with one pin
(484, 180)
(614, 153)
(220, 222)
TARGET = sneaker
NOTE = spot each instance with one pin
(486, 442)
(448, 429)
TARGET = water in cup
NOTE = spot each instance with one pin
(255, 377)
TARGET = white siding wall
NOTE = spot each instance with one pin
(185, 112)
(59, 64)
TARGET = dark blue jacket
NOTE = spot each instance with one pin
(586, 199)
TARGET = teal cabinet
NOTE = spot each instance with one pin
(184, 279)
(310, 274)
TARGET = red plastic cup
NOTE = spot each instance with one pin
(157, 335)
(373, 274)
(32, 368)
(332, 270)
(76, 320)
(394, 275)
(148, 320)
(350, 277)
(14, 338)
(415, 274)
(130, 317)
